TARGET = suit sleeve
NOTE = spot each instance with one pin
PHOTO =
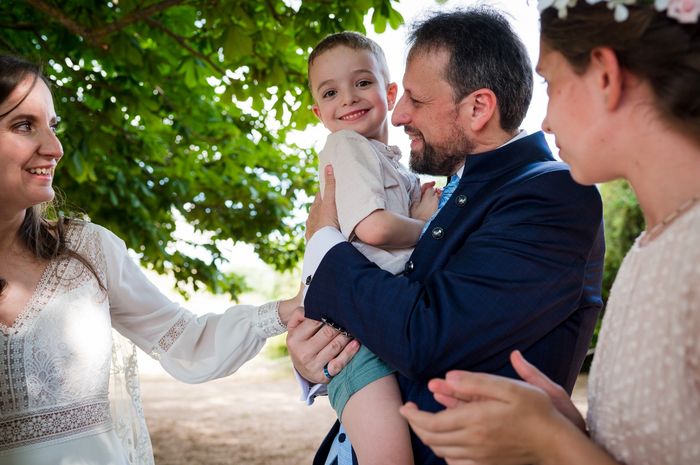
(505, 286)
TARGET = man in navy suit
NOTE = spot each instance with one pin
(512, 261)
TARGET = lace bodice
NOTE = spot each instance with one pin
(644, 387)
(57, 358)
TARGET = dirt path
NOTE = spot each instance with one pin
(253, 417)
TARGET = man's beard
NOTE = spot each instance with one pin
(444, 159)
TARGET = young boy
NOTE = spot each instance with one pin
(380, 210)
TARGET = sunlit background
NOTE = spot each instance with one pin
(266, 284)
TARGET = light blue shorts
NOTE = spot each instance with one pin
(364, 368)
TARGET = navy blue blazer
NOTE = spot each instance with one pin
(514, 260)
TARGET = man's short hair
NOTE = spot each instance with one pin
(353, 40)
(484, 52)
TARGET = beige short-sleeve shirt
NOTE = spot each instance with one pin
(369, 177)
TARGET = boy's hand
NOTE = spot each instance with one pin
(428, 204)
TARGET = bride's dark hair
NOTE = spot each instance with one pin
(648, 43)
(44, 238)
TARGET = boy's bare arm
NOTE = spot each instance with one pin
(385, 229)
(389, 230)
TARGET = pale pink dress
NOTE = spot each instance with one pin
(644, 387)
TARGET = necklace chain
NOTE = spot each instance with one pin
(682, 208)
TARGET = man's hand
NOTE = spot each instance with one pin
(323, 212)
(313, 345)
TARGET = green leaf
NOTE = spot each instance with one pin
(151, 142)
(237, 43)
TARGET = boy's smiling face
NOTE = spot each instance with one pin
(350, 92)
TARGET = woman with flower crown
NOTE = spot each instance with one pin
(624, 102)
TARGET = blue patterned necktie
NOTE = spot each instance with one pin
(444, 197)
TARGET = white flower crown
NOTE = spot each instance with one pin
(683, 11)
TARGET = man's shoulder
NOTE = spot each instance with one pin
(548, 172)
(548, 185)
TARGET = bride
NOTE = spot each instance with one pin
(64, 284)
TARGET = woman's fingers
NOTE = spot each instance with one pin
(529, 373)
(559, 397)
(468, 387)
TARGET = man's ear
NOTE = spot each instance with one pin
(477, 109)
(609, 76)
(392, 91)
(316, 111)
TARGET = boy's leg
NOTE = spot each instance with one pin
(379, 434)
(366, 396)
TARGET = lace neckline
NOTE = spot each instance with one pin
(33, 305)
(45, 288)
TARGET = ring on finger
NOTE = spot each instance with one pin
(326, 373)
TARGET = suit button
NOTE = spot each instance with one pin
(437, 232)
(308, 280)
(409, 266)
(461, 200)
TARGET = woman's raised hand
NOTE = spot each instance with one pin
(491, 419)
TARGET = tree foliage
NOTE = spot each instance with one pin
(624, 221)
(181, 108)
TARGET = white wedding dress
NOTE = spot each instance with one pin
(69, 389)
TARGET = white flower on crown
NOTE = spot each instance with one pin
(560, 5)
(683, 11)
(619, 6)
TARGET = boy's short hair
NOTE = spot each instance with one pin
(353, 40)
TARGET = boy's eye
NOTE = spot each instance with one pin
(328, 93)
(364, 83)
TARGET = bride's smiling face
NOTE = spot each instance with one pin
(29, 148)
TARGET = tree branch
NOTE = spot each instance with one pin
(134, 16)
(18, 26)
(271, 7)
(59, 16)
(183, 43)
(9, 46)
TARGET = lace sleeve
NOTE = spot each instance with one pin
(267, 321)
(125, 402)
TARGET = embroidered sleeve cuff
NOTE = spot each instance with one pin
(266, 320)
